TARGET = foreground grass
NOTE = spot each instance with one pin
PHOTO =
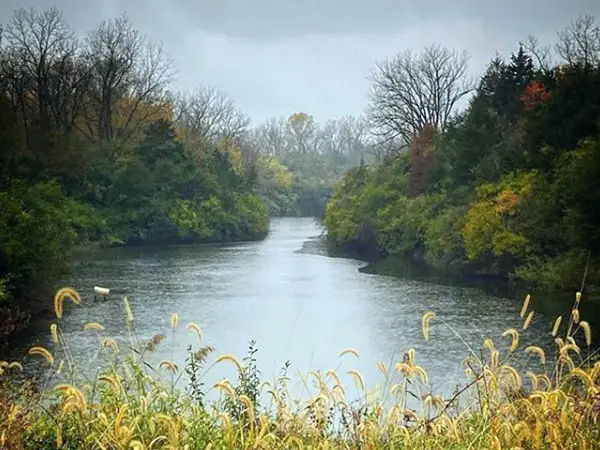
(130, 406)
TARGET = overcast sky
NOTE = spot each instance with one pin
(275, 57)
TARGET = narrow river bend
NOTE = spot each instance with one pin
(297, 304)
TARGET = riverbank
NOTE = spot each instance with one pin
(16, 314)
(134, 403)
(506, 188)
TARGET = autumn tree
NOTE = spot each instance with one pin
(422, 159)
(534, 94)
(301, 133)
(411, 91)
(124, 66)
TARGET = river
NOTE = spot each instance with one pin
(289, 296)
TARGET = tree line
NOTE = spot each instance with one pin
(97, 147)
(507, 186)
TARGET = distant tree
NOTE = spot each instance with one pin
(541, 53)
(124, 66)
(410, 92)
(503, 84)
(579, 43)
(210, 114)
(44, 76)
(301, 132)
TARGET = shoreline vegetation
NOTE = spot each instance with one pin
(506, 188)
(98, 148)
(553, 404)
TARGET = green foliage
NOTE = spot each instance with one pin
(403, 224)
(566, 269)
(37, 224)
(444, 239)
(490, 222)
(158, 193)
(191, 220)
(514, 189)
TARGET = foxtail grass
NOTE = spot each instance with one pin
(129, 405)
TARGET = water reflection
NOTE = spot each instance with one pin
(296, 302)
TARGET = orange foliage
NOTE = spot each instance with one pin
(534, 93)
(421, 159)
(507, 201)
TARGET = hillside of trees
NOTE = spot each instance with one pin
(97, 148)
(507, 187)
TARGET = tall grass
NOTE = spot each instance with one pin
(131, 404)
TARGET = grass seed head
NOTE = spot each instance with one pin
(168, 365)
(587, 331)
(61, 295)
(525, 305)
(54, 333)
(128, 313)
(231, 358)
(575, 314)
(349, 350)
(225, 386)
(556, 326)
(93, 326)
(538, 351)
(41, 351)
(427, 318)
(358, 379)
(194, 326)
(514, 335)
(528, 320)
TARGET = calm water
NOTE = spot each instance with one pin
(285, 293)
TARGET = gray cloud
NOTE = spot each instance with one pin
(277, 57)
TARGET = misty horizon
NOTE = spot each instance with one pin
(274, 59)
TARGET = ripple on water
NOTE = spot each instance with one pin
(299, 304)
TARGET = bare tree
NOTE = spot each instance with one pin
(410, 92)
(47, 76)
(353, 134)
(541, 53)
(210, 114)
(330, 141)
(270, 138)
(148, 95)
(579, 43)
(129, 78)
(343, 137)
